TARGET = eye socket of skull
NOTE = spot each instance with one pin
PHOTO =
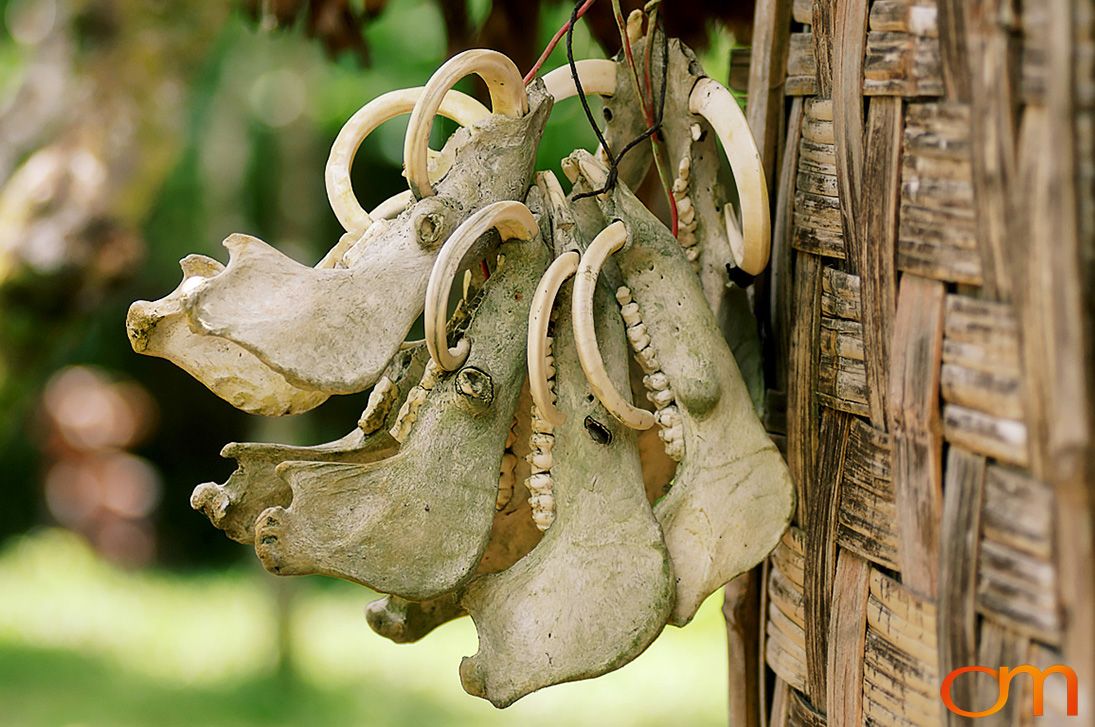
(475, 385)
(432, 221)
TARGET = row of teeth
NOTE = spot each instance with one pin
(507, 477)
(540, 486)
(658, 391)
(383, 396)
(686, 212)
(408, 414)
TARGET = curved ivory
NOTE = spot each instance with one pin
(599, 587)
(454, 105)
(539, 317)
(611, 239)
(387, 210)
(392, 207)
(598, 76)
(418, 524)
(711, 100)
(507, 97)
(512, 220)
(731, 497)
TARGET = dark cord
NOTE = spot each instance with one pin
(578, 81)
(614, 162)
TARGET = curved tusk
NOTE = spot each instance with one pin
(507, 96)
(598, 77)
(459, 107)
(539, 316)
(393, 206)
(611, 239)
(512, 220)
(711, 100)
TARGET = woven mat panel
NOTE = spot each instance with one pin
(932, 172)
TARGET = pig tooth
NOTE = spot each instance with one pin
(539, 483)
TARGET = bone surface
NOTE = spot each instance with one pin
(159, 328)
(731, 497)
(417, 524)
(707, 226)
(253, 487)
(405, 622)
(598, 588)
(334, 330)
(507, 95)
(513, 535)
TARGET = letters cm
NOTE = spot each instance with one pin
(1004, 675)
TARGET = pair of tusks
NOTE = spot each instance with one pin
(586, 269)
(712, 101)
(459, 107)
(423, 103)
(512, 220)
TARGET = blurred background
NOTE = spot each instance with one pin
(134, 132)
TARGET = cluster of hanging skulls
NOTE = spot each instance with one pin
(571, 456)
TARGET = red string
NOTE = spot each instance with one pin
(554, 42)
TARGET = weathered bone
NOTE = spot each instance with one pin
(598, 588)
(732, 497)
(335, 329)
(511, 220)
(692, 97)
(462, 109)
(161, 328)
(405, 622)
(513, 535)
(253, 487)
(158, 328)
(416, 524)
(507, 96)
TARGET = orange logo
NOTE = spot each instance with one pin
(1004, 675)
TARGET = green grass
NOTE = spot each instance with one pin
(83, 643)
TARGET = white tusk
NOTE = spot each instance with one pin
(507, 96)
(393, 206)
(598, 77)
(512, 220)
(383, 212)
(711, 100)
(459, 107)
(539, 316)
(611, 239)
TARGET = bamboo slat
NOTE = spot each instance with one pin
(931, 305)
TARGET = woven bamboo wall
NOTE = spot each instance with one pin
(929, 306)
